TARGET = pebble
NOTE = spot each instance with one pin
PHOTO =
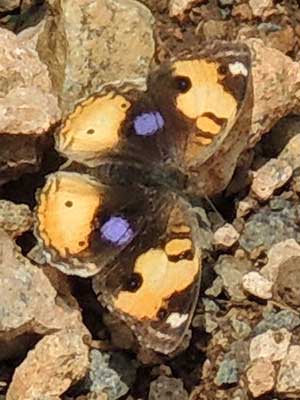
(28, 106)
(282, 40)
(104, 378)
(257, 285)
(277, 320)
(227, 373)
(272, 101)
(27, 103)
(178, 8)
(32, 306)
(291, 152)
(278, 255)
(167, 389)
(232, 270)
(226, 236)
(225, 3)
(9, 5)
(90, 44)
(213, 29)
(242, 11)
(245, 207)
(272, 345)
(287, 286)
(241, 329)
(260, 7)
(57, 361)
(288, 379)
(267, 227)
(271, 176)
(261, 377)
(15, 219)
(211, 309)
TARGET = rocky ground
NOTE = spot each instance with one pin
(246, 330)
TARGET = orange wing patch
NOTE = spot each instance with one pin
(207, 102)
(207, 94)
(161, 278)
(93, 127)
(65, 212)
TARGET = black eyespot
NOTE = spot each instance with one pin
(223, 69)
(182, 84)
(123, 105)
(134, 282)
(90, 131)
(161, 314)
(69, 203)
(81, 243)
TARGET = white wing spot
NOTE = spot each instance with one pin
(237, 68)
(175, 319)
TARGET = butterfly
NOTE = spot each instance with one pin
(118, 211)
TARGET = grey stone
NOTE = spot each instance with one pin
(227, 373)
(232, 270)
(167, 389)
(104, 378)
(277, 320)
(268, 227)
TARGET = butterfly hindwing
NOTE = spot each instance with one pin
(153, 284)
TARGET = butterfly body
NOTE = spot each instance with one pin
(118, 210)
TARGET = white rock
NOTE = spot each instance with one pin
(257, 285)
(260, 6)
(272, 345)
(277, 255)
(288, 379)
(271, 176)
(226, 236)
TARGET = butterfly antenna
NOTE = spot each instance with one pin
(211, 204)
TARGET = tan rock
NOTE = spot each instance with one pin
(261, 377)
(57, 361)
(88, 43)
(28, 107)
(271, 176)
(260, 7)
(287, 286)
(9, 5)
(31, 306)
(213, 29)
(257, 285)
(288, 379)
(291, 152)
(277, 255)
(177, 8)
(276, 87)
(245, 207)
(242, 11)
(272, 345)
(226, 236)
(27, 102)
(282, 40)
(15, 219)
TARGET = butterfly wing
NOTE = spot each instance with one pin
(208, 112)
(194, 109)
(141, 246)
(82, 224)
(153, 285)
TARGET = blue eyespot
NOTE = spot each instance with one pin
(148, 124)
(117, 231)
